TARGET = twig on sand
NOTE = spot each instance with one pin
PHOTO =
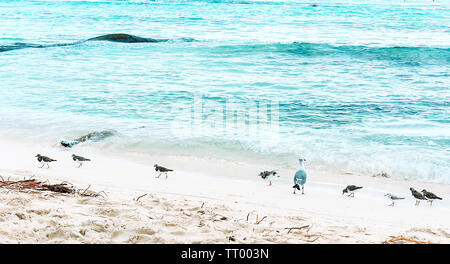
(402, 239)
(257, 217)
(100, 194)
(86, 190)
(313, 235)
(90, 193)
(257, 222)
(296, 228)
(137, 199)
(222, 218)
(248, 215)
(313, 240)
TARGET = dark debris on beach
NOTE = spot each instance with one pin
(33, 185)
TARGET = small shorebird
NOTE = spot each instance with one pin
(417, 195)
(161, 170)
(300, 177)
(44, 160)
(393, 198)
(269, 175)
(430, 196)
(79, 159)
(351, 190)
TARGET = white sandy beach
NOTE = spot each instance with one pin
(204, 201)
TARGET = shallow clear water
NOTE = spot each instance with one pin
(353, 87)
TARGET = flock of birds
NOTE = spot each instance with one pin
(299, 180)
(44, 160)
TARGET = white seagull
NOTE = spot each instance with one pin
(300, 177)
(393, 198)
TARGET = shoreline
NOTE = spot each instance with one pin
(226, 188)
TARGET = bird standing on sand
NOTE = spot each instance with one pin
(161, 170)
(79, 159)
(300, 177)
(269, 175)
(44, 160)
(393, 198)
(351, 190)
(417, 195)
(430, 196)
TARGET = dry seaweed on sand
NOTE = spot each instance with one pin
(404, 240)
(33, 185)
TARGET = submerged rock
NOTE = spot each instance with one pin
(93, 136)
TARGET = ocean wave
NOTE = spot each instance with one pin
(407, 54)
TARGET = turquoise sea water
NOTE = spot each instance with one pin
(351, 86)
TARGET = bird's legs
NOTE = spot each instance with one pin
(81, 164)
(303, 189)
(158, 175)
(166, 175)
(270, 183)
(431, 202)
(48, 166)
(417, 202)
(42, 165)
(294, 190)
(392, 204)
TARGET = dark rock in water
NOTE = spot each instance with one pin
(68, 144)
(126, 38)
(93, 136)
(120, 37)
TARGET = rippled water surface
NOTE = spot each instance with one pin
(350, 86)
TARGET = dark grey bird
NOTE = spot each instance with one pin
(417, 195)
(430, 196)
(393, 198)
(351, 190)
(79, 159)
(269, 175)
(161, 170)
(44, 160)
